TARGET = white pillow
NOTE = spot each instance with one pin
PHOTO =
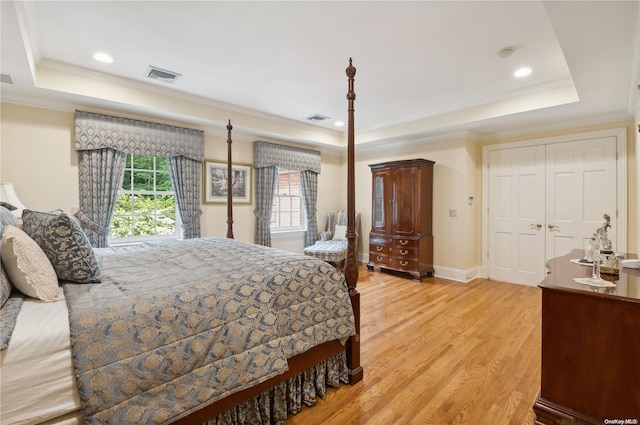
(28, 266)
(340, 232)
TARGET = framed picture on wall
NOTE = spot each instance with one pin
(215, 182)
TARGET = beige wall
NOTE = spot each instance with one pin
(456, 177)
(37, 155)
(331, 194)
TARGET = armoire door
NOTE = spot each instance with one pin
(382, 197)
(406, 207)
(546, 200)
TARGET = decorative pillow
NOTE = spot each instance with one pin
(7, 218)
(27, 265)
(64, 243)
(5, 286)
(8, 317)
(340, 232)
(8, 206)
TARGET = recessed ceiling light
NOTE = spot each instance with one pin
(103, 57)
(338, 123)
(522, 72)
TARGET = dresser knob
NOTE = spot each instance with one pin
(378, 258)
(403, 252)
(403, 242)
(403, 263)
(379, 248)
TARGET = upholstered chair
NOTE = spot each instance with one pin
(332, 243)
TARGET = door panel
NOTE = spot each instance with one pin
(516, 215)
(581, 188)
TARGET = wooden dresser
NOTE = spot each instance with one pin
(590, 348)
(400, 237)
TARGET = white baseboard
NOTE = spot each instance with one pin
(457, 274)
(445, 272)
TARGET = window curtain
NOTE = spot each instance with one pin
(185, 176)
(100, 172)
(97, 134)
(309, 184)
(271, 156)
(265, 188)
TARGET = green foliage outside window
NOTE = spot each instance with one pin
(146, 205)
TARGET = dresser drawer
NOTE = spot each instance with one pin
(380, 249)
(379, 259)
(404, 253)
(376, 239)
(402, 264)
(405, 243)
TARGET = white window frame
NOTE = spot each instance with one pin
(290, 230)
(147, 238)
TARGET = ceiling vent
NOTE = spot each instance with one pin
(162, 75)
(5, 78)
(317, 118)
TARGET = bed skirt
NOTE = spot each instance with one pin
(273, 406)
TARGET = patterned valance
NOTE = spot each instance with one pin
(98, 131)
(291, 158)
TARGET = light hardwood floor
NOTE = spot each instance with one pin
(440, 352)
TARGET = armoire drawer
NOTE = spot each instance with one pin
(379, 259)
(375, 239)
(401, 264)
(405, 243)
(380, 249)
(404, 252)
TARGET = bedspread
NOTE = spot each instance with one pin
(177, 325)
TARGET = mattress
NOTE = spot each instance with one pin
(37, 383)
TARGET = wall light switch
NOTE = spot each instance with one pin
(453, 213)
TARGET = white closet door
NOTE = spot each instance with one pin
(580, 189)
(516, 215)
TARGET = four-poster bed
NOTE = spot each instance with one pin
(148, 340)
(304, 361)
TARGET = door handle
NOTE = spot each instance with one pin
(553, 226)
(538, 226)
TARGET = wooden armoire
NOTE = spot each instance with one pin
(401, 233)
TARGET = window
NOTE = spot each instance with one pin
(146, 207)
(287, 212)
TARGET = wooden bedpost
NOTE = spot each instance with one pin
(351, 264)
(229, 184)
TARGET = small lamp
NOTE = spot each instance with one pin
(8, 194)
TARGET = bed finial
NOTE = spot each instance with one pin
(229, 184)
(351, 70)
